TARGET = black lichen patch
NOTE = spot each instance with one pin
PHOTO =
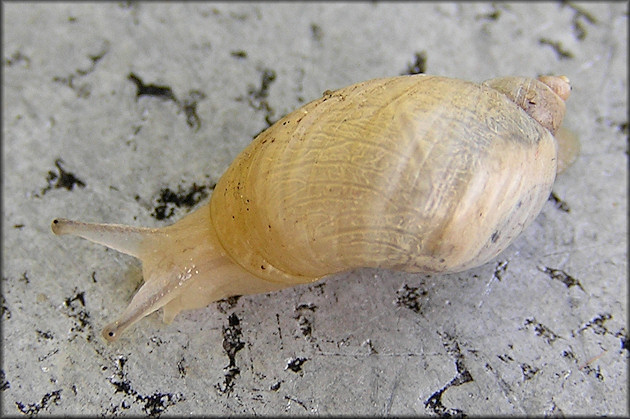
(621, 126)
(368, 344)
(304, 318)
(44, 335)
(156, 341)
(181, 367)
(502, 384)
(25, 278)
(34, 408)
(419, 65)
(435, 404)
(156, 403)
(586, 367)
(623, 340)
(75, 309)
(267, 77)
(79, 296)
(493, 15)
(541, 330)
(463, 376)
(306, 307)
(153, 404)
(239, 54)
(4, 383)
(232, 339)
(505, 358)
(295, 364)
(257, 97)
(189, 106)
(316, 32)
(83, 90)
(596, 325)
(16, 58)
(228, 381)
(239, 16)
(232, 343)
(279, 331)
(48, 355)
(409, 297)
(595, 371)
(318, 288)
(301, 403)
(95, 58)
(169, 200)
(562, 276)
(61, 179)
(164, 92)
(569, 355)
(528, 371)
(563, 53)
(5, 312)
(580, 17)
(227, 303)
(500, 270)
(559, 203)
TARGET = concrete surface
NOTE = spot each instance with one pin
(540, 331)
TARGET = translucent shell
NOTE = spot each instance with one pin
(413, 173)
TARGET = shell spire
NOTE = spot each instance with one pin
(542, 99)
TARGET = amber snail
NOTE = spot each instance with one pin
(413, 173)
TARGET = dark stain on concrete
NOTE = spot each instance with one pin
(410, 298)
(562, 276)
(32, 409)
(232, 343)
(152, 404)
(169, 199)
(563, 53)
(295, 364)
(559, 203)
(419, 65)
(61, 179)
(541, 330)
(463, 376)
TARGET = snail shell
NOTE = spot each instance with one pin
(412, 173)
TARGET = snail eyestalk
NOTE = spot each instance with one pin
(125, 239)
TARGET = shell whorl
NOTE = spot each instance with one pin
(415, 173)
(542, 99)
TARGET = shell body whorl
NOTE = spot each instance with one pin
(414, 173)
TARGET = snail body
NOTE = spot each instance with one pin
(411, 173)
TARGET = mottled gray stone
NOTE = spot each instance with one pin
(541, 330)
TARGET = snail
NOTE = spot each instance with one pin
(413, 173)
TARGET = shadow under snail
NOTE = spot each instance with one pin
(413, 173)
